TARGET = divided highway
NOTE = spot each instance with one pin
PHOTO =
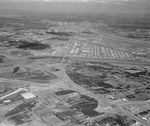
(99, 98)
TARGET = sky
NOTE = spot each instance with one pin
(84, 0)
(99, 1)
(50, 6)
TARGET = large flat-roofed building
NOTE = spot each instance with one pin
(28, 96)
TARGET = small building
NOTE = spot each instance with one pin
(6, 102)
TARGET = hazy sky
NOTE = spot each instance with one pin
(100, 1)
(83, 0)
(138, 6)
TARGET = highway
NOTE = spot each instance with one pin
(88, 59)
(22, 82)
(99, 98)
(131, 102)
(125, 39)
(68, 82)
(67, 51)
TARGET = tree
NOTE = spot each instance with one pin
(16, 69)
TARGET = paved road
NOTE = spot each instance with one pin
(100, 99)
(22, 82)
(80, 89)
(124, 39)
(109, 60)
(88, 59)
(121, 103)
(67, 51)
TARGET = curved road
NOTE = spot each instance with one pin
(99, 98)
(79, 88)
